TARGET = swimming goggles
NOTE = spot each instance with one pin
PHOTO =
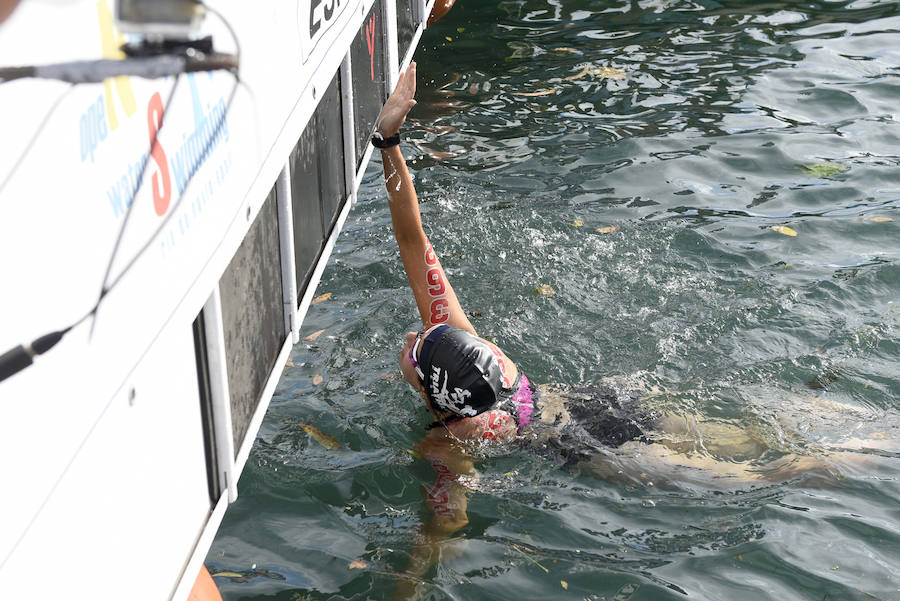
(412, 356)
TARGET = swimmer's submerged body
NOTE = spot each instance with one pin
(476, 393)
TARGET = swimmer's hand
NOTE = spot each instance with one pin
(398, 105)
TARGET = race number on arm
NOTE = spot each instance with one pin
(435, 298)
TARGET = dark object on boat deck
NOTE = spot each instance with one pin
(20, 357)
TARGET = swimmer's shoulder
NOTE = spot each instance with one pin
(507, 366)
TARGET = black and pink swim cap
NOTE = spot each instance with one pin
(461, 374)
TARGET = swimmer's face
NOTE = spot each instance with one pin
(406, 368)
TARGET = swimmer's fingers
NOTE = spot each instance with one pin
(393, 115)
(403, 98)
(406, 84)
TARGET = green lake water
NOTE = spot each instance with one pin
(732, 118)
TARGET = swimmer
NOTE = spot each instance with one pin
(475, 393)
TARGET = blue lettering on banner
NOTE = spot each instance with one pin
(188, 157)
(92, 128)
(121, 192)
(195, 148)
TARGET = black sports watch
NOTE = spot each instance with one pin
(379, 141)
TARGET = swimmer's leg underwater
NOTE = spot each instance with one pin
(727, 462)
(687, 450)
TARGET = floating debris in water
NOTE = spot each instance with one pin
(313, 336)
(625, 593)
(783, 229)
(823, 380)
(246, 576)
(520, 50)
(227, 574)
(320, 298)
(357, 564)
(578, 223)
(823, 169)
(541, 93)
(567, 49)
(601, 72)
(317, 379)
(564, 584)
(545, 290)
(578, 75)
(881, 219)
(389, 376)
(329, 442)
(535, 562)
(289, 363)
(607, 230)
(608, 72)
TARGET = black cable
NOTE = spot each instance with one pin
(95, 71)
(34, 137)
(201, 157)
(221, 17)
(139, 181)
(20, 357)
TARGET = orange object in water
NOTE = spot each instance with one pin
(205, 588)
(441, 8)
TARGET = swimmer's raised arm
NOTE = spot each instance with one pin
(435, 297)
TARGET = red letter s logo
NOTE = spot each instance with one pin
(154, 122)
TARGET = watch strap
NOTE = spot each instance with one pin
(378, 141)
